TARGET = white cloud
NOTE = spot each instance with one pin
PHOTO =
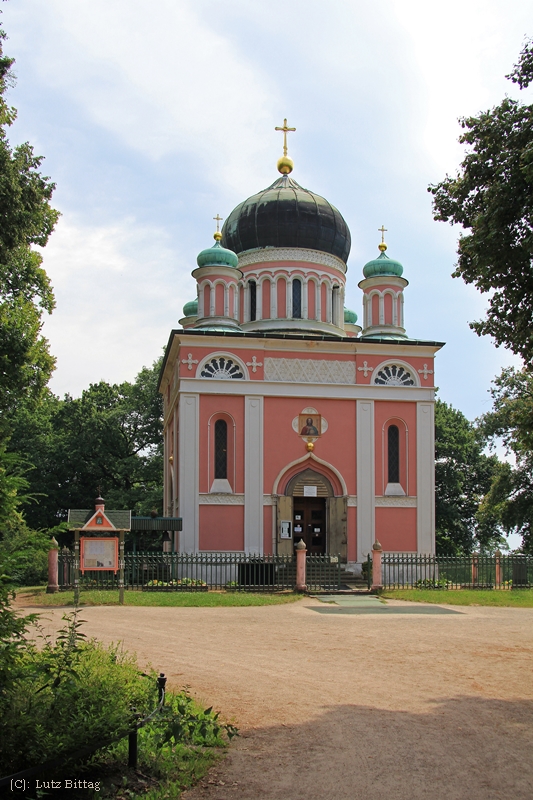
(112, 317)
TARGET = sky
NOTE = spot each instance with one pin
(155, 117)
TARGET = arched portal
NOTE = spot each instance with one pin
(318, 515)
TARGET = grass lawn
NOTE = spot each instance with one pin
(36, 596)
(516, 598)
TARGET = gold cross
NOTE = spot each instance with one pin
(285, 130)
(219, 220)
(382, 230)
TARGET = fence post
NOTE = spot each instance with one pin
(475, 569)
(498, 569)
(161, 683)
(377, 553)
(53, 584)
(301, 553)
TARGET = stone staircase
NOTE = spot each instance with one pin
(353, 583)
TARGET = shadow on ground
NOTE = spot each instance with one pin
(460, 748)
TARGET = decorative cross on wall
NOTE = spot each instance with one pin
(425, 372)
(254, 363)
(189, 361)
(365, 369)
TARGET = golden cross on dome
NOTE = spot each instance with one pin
(218, 219)
(285, 130)
(382, 230)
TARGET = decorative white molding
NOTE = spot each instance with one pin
(253, 474)
(300, 370)
(221, 499)
(221, 486)
(262, 256)
(365, 369)
(254, 363)
(352, 501)
(425, 372)
(189, 361)
(268, 500)
(310, 457)
(366, 528)
(395, 502)
(402, 375)
(222, 366)
(394, 490)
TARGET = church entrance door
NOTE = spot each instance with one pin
(309, 523)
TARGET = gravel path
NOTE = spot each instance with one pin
(339, 705)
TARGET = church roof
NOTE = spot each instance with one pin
(287, 215)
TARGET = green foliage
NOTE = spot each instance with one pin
(111, 437)
(24, 553)
(492, 198)
(463, 476)
(510, 499)
(517, 598)
(432, 583)
(25, 291)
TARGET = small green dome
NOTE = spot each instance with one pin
(217, 256)
(382, 265)
(350, 316)
(190, 309)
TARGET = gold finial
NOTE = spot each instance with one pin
(382, 246)
(218, 236)
(285, 164)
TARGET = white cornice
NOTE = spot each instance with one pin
(281, 254)
(306, 390)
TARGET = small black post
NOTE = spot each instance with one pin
(161, 683)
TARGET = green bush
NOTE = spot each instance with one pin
(66, 695)
(24, 553)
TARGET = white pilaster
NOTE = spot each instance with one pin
(253, 474)
(425, 477)
(189, 449)
(305, 298)
(366, 527)
(273, 299)
(289, 298)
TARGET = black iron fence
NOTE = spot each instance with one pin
(198, 572)
(506, 571)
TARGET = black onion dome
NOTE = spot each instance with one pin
(286, 215)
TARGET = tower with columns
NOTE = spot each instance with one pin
(284, 418)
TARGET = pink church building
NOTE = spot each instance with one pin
(283, 418)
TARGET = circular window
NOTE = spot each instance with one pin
(394, 375)
(221, 368)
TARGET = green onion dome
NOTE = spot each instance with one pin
(287, 215)
(382, 265)
(217, 256)
(190, 309)
(350, 316)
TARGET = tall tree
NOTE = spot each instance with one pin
(108, 439)
(492, 198)
(510, 499)
(463, 476)
(25, 291)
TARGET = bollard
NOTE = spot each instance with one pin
(53, 584)
(377, 553)
(161, 683)
(301, 553)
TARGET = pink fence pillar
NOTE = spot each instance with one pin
(377, 574)
(301, 553)
(53, 585)
(498, 563)
(475, 569)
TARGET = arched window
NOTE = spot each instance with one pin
(297, 298)
(393, 447)
(253, 300)
(221, 449)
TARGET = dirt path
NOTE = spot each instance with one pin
(347, 706)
